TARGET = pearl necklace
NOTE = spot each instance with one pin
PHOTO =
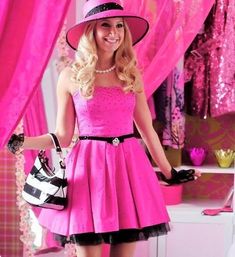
(106, 71)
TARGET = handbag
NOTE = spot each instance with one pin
(45, 186)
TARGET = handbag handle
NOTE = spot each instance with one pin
(56, 143)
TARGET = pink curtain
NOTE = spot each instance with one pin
(173, 25)
(29, 30)
(35, 124)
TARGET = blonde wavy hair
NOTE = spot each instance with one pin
(86, 58)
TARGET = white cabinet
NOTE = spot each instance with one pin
(197, 235)
(194, 234)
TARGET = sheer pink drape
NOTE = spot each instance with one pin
(173, 25)
(35, 124)
(29, 30)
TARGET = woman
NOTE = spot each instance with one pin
(114, 195)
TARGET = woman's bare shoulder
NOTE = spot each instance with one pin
(66, 74)
(65, 80)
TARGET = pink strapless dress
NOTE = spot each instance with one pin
(109, 187)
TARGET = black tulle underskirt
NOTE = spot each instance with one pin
(116, 237)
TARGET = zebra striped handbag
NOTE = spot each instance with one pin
(46, 187)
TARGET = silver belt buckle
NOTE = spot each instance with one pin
(115, 141)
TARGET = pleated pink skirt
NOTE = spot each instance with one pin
(109, 188)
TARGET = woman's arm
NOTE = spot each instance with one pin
(143, 122)
(65, 121)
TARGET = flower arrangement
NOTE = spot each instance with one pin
(224, 157)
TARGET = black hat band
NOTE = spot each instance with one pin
(104, 7)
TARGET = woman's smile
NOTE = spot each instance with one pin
(111, 40)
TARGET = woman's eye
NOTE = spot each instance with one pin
(105, 24)
(120, 25)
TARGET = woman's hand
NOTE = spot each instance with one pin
(15, 143)
(181, 176)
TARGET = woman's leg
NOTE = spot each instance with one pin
(88, 251)
(122, 250)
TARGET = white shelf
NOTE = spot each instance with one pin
(191, 211)
(193, 205)
(206, 169)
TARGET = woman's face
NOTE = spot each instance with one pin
(109, 34)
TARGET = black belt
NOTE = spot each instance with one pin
(111, 140)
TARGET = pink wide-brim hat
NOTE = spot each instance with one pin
(100, 9)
